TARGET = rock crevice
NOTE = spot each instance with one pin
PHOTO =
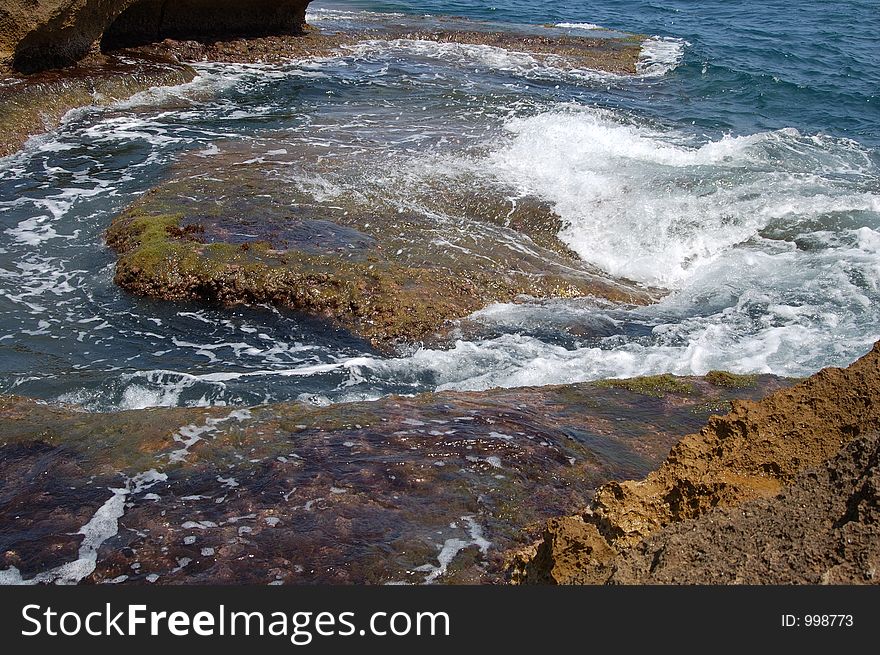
(149, 21)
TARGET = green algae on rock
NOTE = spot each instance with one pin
(728, 379)
(654, 385)
(365, 492)
(234, 231)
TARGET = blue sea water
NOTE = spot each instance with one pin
(749, 66)
(739, 171)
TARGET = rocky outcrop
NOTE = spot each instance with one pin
(617, 54)
(149, 21)
(752, 453)
(823, 529)
(41, 34)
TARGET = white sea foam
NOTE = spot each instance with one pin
(103, 525)
(33, 231)
(579, 26)
(140, 397)
(649, 206)
(770, 244)
(161, 95)
(524, 361)
(320, 14)
(38, 229)
(784, 311)
(659, 55)
(189, 435)
(453, 546)
(493, 57)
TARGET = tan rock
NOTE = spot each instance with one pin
(752, 453)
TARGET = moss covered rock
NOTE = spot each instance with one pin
(232, 231)
(731, 380)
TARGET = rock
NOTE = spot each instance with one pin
(150, 21)
(41, 34)
(85, 38)
(38, 35)
(614, 54)
(752, 453)
(603, 53)
(823, 529)
(34, 104)
(226, 232)
(351, 493)
(571, 551)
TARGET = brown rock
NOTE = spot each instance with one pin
(40, 34)
(752, 453)
(571, 552)
(352, 493)
(824, 529)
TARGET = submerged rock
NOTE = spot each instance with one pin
(426, 489)
(34, 104)
(612, 53)
(236, 229)
(752, 453)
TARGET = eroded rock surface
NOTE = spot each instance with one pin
(752, 453)
(823, 529)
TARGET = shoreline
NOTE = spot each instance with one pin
(718, 492)
(589, 483)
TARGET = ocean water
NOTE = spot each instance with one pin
(739, 171)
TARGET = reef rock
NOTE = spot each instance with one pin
(233, 229)
(426, 489)
(41, 34)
